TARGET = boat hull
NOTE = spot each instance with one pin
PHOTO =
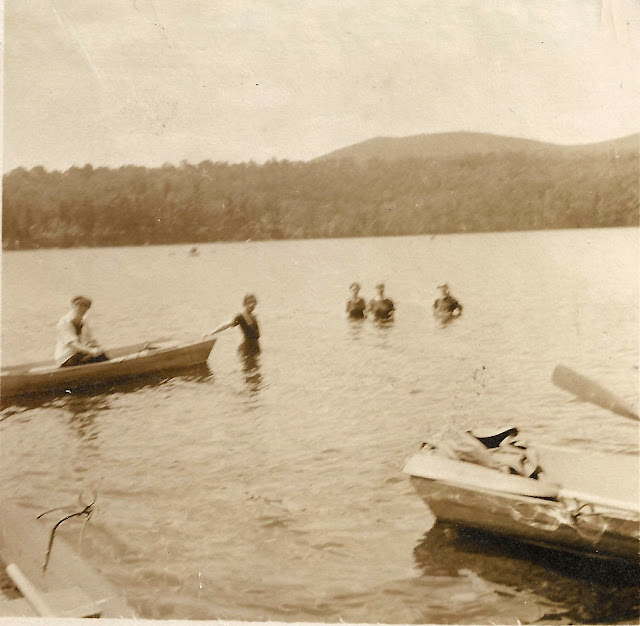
(531, 520)
(552, 513)
(124, 364)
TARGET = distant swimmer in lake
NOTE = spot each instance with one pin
(446, 305)
(356, 306)
(75, 344)
(380, 307)
(247, 322)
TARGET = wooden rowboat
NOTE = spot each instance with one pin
(582, 502)
(124, 363)
(70, 587)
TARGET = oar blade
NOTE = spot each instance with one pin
(590, 391)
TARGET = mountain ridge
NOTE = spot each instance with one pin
(464, 143)
(465, 183)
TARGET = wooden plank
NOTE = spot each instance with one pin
(16, 608)
(600, 476)
(73, 602)
(33, 595)
(24, 542)
(436, 467)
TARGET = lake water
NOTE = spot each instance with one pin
(272, 489)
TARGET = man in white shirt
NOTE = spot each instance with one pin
(75, 344)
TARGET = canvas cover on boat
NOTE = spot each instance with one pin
(502, 451)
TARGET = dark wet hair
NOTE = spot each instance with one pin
(81, 300)
(248, 297)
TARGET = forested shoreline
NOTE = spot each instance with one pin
(133, 205)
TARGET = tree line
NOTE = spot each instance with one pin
(132, 205)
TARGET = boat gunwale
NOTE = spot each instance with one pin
(544, 487)
(24, 369)
(622, 511)
(117, 360)
(94, 374)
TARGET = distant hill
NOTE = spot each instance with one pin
(445, 183)
(461, 144)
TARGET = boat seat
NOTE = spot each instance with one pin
(71, 602)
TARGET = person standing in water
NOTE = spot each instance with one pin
(382, 308)
(247, 322)
(356, 305)
(75, 344)
(447, 304)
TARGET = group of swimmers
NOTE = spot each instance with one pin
(382, 308)
(76, 345)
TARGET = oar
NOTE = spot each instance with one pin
(590, 391)
(29, 591)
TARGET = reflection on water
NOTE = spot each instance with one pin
(9, 410)
(589, 590)
(83, 413)
(249, 352)
(82, 406)
(17, 404)
(384, 324)
(355, 326)
(384, 328)
(444, 320)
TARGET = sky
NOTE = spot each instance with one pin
(149, 82)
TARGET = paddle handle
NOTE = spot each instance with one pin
(31, 594)
(590, 391)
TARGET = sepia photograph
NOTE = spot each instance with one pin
(320, 311)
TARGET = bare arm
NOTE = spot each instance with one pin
(222, 327)
(86, 348)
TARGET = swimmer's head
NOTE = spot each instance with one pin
(249, 301)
